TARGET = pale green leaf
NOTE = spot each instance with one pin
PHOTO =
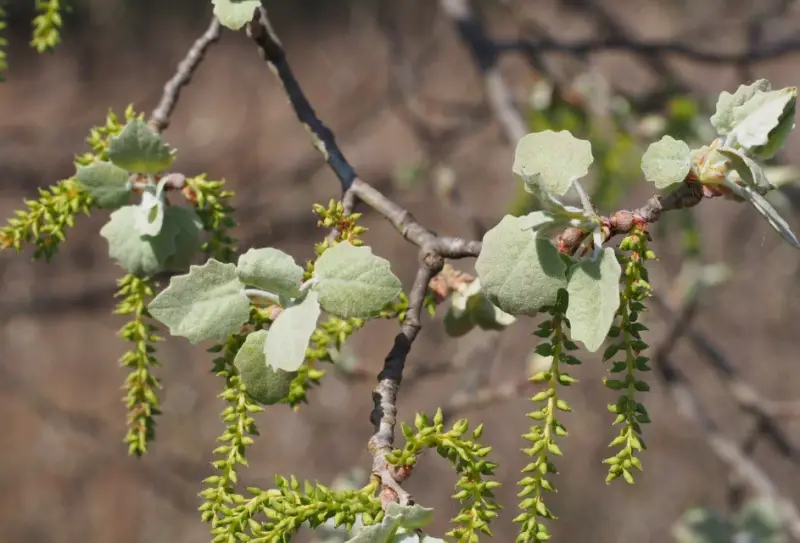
(206, 303)
(188, 241)
(137, 254)
(758, 118)
(410, 517)
(271, 270)
(288, 336)
(666, 162)
(106, 183)
(593, 298)
(138, 149)
(150, 215)
(376, 533)
(413, 537)
(234, 14)
(519, 272)
(353, 282)
(753, 177)
(551, 161)
(723, 119)
(263, 383)
(699, 525)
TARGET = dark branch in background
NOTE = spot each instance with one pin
(159, 119)
(618, 43)
(744, 468)
(763, 409)
(486, 55)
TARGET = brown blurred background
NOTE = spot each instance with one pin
(65, 476)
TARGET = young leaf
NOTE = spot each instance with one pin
(206, 303)
(150, 215)
(519, 273)
(353, 282)
(593, 298)
(666, 162)
(139, 149)
(723, 119)
(758, 118)
(552, 160)
(754, 178)
(188, 227)
(287, 341)
(136, 254)
(234, 14)
(457, 321)
(106, 183)
(271, 270)
(264, 384)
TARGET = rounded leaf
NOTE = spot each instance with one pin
(137, 254)
(234, 14)
(139, 149)
(519, 273)
(263, 383)
(353, 282)
(552, 160)
(593, 298)
(206, 303)
(287, 341)
(723, 118)
(271, 270)
(765, 120)
(106, 183)
(666, 162)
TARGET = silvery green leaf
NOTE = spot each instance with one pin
(137, 254)
(410, 517)
(519, 273)
(234, 14)
(263, 383)
(593, 289)
(271, 270)
(666, 162)
(551, 161)
(764, 121)
(403, 536)
(138, 149)
(353, 282)
(287, 340)
(376, 533)
(723, 119)
(106, 183)
(703, 526)
(761, 521)
(206, 303)
(751, 174)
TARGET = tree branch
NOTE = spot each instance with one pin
(159, 119)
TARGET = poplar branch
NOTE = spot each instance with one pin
(159, 119)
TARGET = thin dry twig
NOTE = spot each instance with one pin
(159, 119)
